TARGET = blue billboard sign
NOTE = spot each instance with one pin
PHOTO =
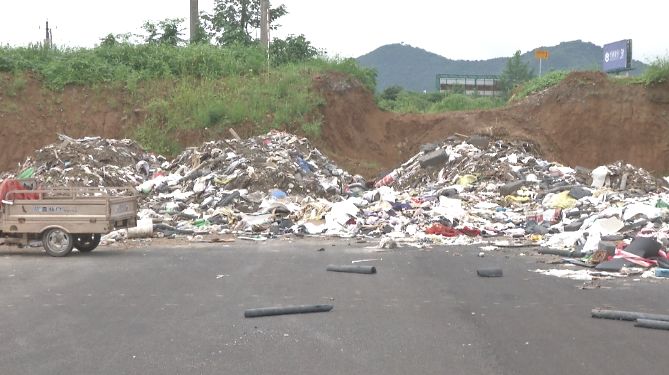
(617, 56)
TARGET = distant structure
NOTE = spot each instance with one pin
(469, 84)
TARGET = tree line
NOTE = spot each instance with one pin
(232, 23)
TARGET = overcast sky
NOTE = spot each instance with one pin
(465, 29)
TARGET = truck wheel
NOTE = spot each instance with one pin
(57, 242)
(86, 242)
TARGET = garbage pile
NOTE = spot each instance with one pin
(90, 161)
(276, 161)
(465, 190)
(241, 185)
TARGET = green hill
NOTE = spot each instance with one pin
(415, 69)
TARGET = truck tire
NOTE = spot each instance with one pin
(57, 242)
(86, 242)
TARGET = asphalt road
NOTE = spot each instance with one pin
(179, 310)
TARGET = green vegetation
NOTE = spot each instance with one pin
(220, 80)
(194, 87)
(129, 64)
(515, 73)
(540, 83)
(395, 99)
(657, 72)
(312, 129)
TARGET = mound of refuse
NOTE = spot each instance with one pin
(90, 161)
(464, 190)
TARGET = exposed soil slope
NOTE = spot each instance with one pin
(587, 120)
(33, 117)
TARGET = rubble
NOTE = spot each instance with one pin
(448, 193)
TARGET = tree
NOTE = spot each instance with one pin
(515, 73)
(108, 41)
(293, 49)
(201, 35)
(391, 92)
(112, 40)
(167, 31)
(234, 21)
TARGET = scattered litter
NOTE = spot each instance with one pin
(584, 274)
(661, 272)
(365, 260)
(387, 243)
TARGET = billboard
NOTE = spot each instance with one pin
(617, 56)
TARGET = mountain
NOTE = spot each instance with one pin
(415, 69)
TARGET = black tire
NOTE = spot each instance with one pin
(57, 242)
(86, 242)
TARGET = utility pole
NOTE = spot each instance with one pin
(264, 23)
(264, 28)
(48, 38)
(194, 20)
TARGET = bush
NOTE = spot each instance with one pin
(123, 62)
(657, 72)
(412, 102)
(540, 83)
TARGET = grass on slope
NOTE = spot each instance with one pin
(540, 83)
(657, 72)
(186, 88)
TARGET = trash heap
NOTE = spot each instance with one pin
(465, 190)
(236, 185)
(614, 216)
(90, 161)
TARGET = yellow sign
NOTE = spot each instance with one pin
(541, 54)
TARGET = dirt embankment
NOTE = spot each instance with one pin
(587, 120)
(32, 116)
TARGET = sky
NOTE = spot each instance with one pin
(460, 30)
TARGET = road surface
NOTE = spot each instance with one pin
(178, 309)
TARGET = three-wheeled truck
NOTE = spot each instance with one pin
(63, 218)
